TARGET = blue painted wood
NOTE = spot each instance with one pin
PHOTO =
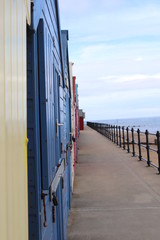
(68, 151)
(34, 164)
(48, 232)
(47, 105)
(59, 213)
(67, 193)
(48, 102)
(57, 115)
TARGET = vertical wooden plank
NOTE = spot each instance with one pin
(21, 179)
(28, 11)
(24, 127)
(14, 111)
(8, 114)
(3, 169)
(13, 178)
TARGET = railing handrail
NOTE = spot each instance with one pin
(125, 136)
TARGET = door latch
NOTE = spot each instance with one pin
(58, 125)
(44, 206)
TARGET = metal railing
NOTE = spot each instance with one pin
(144, 145)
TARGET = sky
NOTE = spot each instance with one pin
(115, 47)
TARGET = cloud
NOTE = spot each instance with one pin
(155, 78)
(139, 59)
(115, 47)
(73, 7)
(97, 19)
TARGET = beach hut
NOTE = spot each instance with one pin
(73, 123)
(14, 18)
(67, 136)
(75, 135)
(77, 121)
(81, 119)
(48, 123)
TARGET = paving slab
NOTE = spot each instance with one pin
(116, 197)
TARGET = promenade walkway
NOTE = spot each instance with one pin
(115, 196)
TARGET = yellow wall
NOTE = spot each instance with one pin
(13, 128)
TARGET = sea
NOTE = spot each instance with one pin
(152, 124)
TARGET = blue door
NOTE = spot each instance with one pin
(49, 102)
(59, 208)
(47, 105)
(68, 151)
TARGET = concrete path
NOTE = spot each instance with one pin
(116, 197)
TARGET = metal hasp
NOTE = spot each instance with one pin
(58, 125)
(56, 180)
(44, 208)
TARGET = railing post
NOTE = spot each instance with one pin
(124, 145)
(109, 132)
(128, 140)
(158, 150)
(147, 148)
(105, 131)
(117, 134)
(114, 134)
(139, 144)
(120, 144)
(133, 147)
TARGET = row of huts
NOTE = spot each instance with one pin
(39, 121)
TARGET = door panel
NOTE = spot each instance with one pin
(47, 106)
(57, 115)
